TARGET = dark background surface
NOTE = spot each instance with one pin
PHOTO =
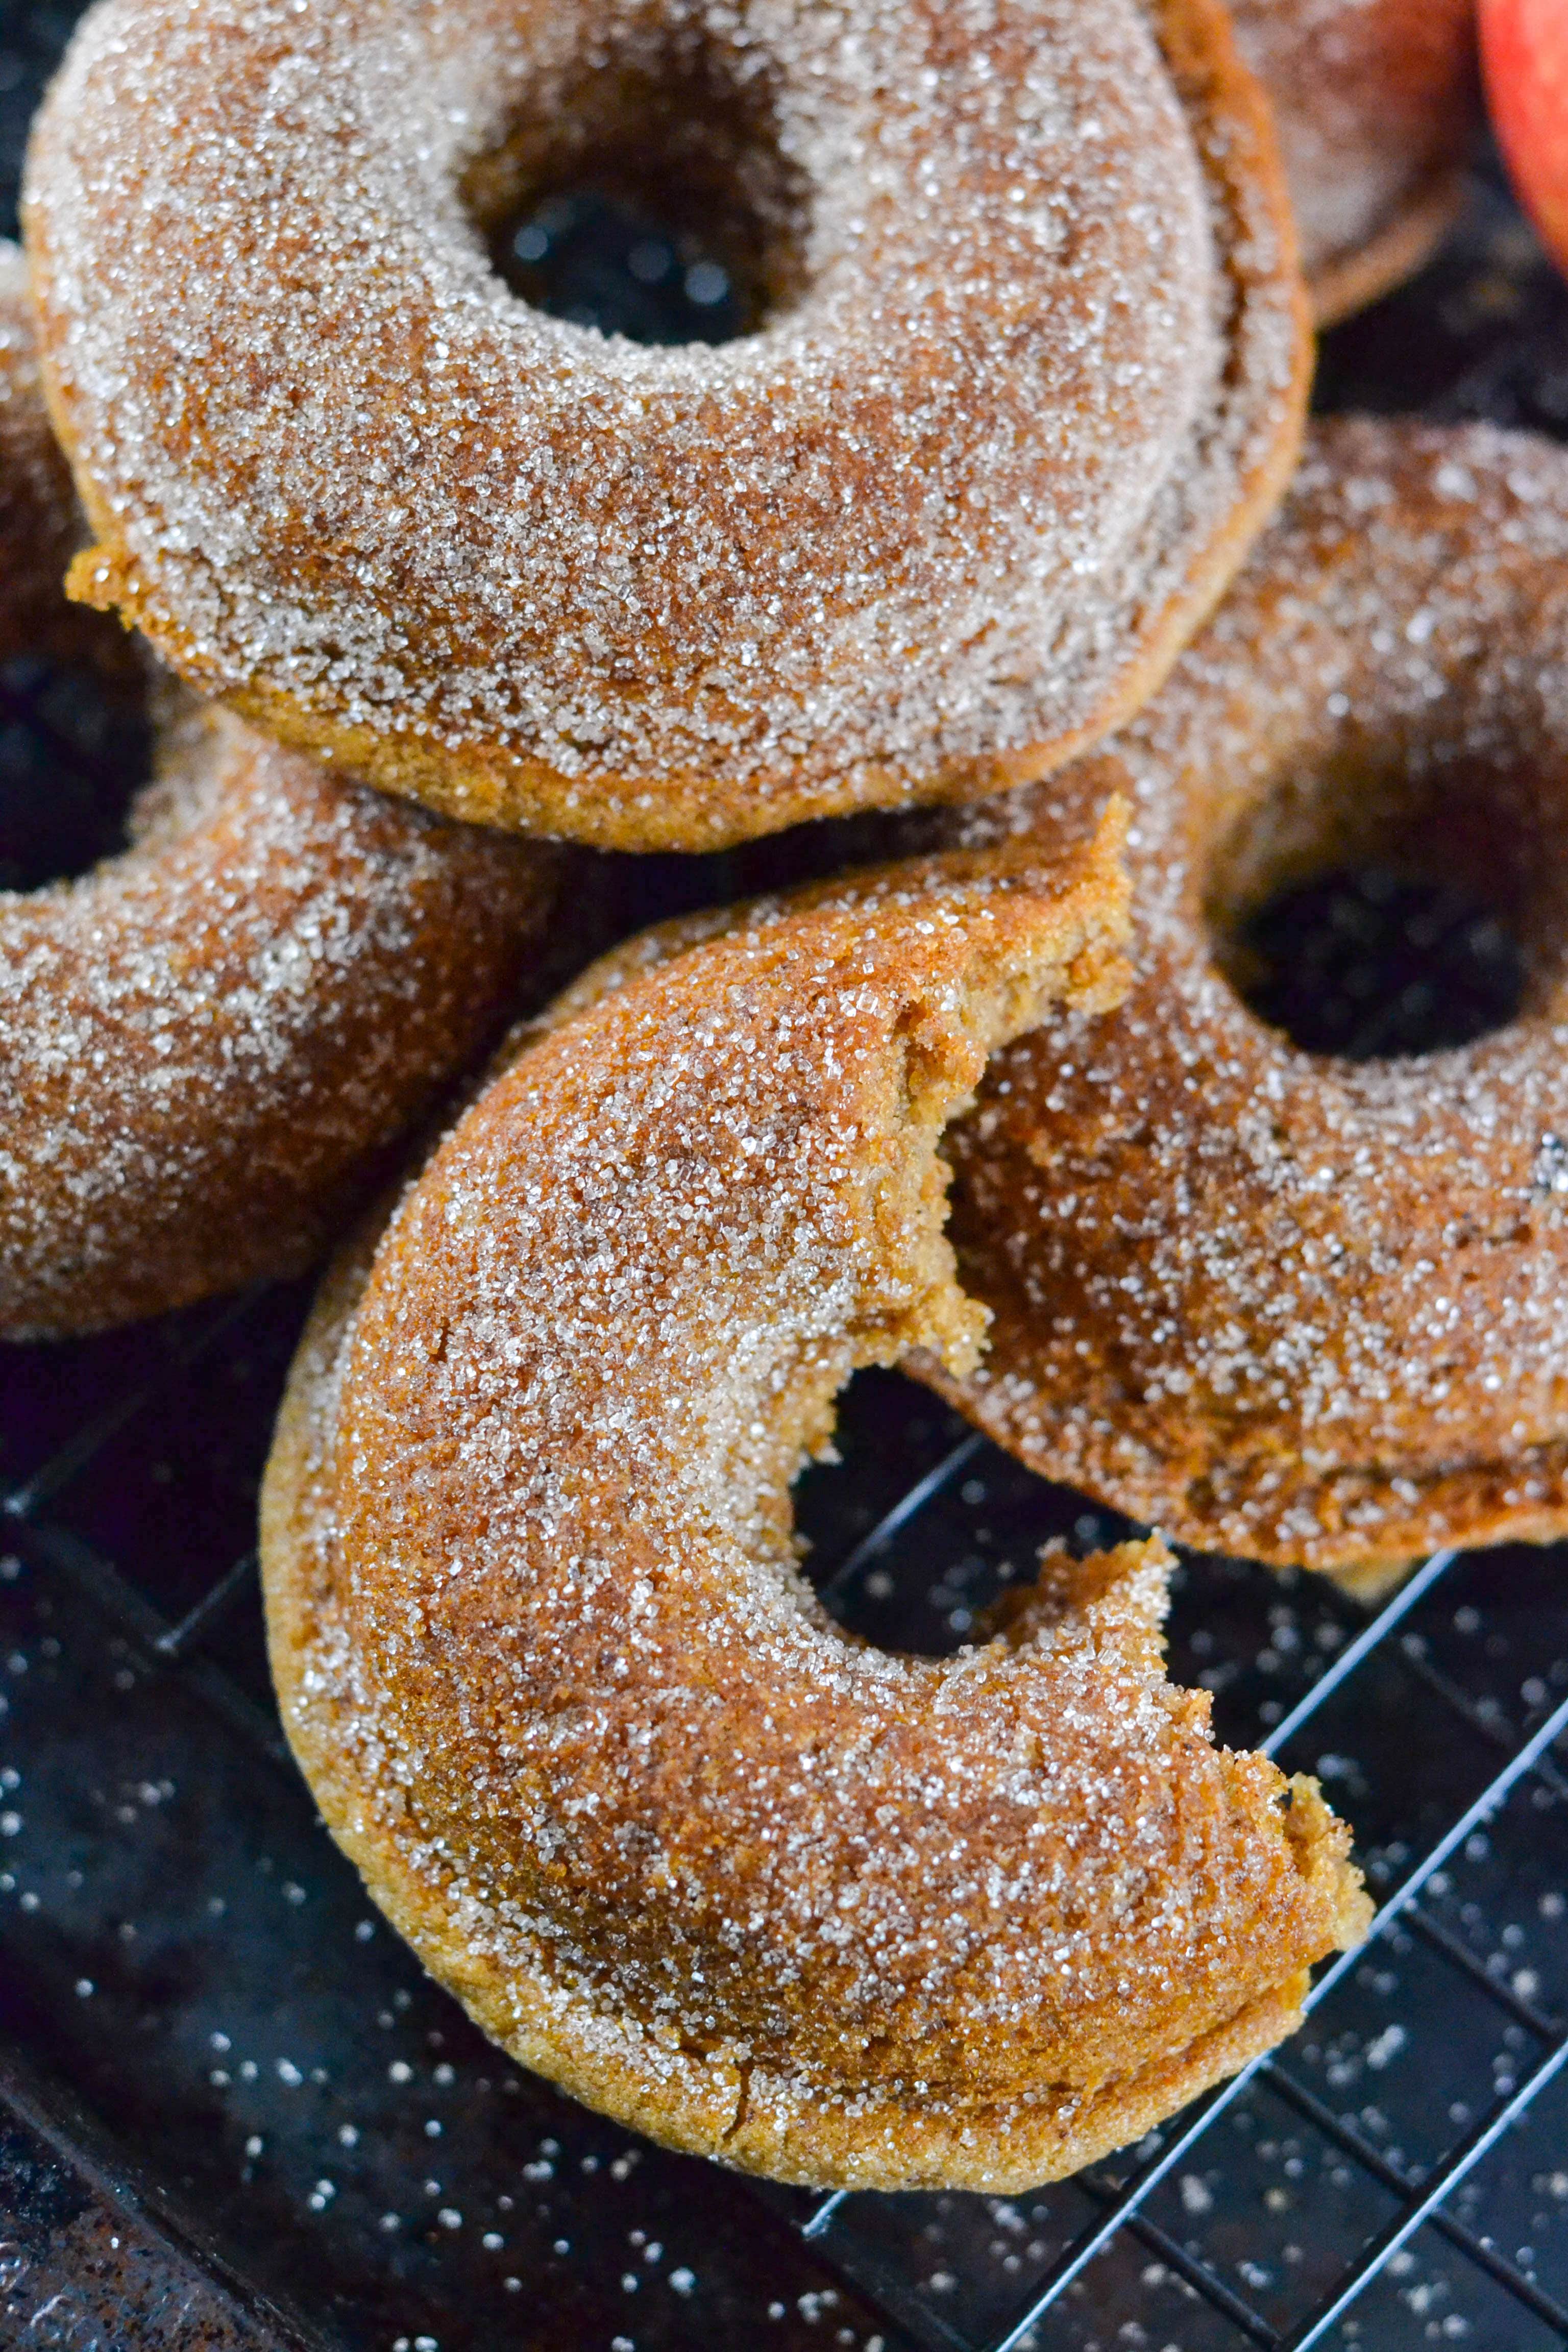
(233, 2112)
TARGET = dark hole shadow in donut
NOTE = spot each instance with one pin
(924, 1524)
(75, 750)
(648, 198)
(1391, 901)
(1370, 964)
(597, 259)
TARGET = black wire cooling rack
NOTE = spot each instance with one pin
(233, 2113)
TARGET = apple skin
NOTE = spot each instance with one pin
(1524, 58)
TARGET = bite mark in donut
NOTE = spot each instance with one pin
(1031, 378)
(1279, 1304)
(549, 1665)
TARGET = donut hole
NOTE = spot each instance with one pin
(1385, 917)
(1372, 964)
(75, 749)
(597, 259)
(917, 1528)
(654, 203)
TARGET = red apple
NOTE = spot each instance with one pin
(1524, 55)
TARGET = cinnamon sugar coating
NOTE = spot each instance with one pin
(1378, 104)
(1277, 1304)
(41, 526)
(546, 1658)
(209, 1044)
(1031, 379)
(212, 1041)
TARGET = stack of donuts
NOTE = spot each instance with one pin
(995, 520)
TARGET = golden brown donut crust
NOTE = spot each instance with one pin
(1378, 103)
(946, 519)
(545, 1656)
(1276, 1304)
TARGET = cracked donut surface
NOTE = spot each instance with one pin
(546, 1656)
(1028, 376)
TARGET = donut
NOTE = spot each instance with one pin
(545, 1655)
(1282, 1304)
(213, 1041)
(1029, 378)
(1378, 107)
(40, 523)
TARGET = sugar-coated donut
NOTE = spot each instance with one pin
(210, 1043)
(1030, 379)
(41, 525)
(1282, 1304)
(1378, 104)
(547, 1660)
